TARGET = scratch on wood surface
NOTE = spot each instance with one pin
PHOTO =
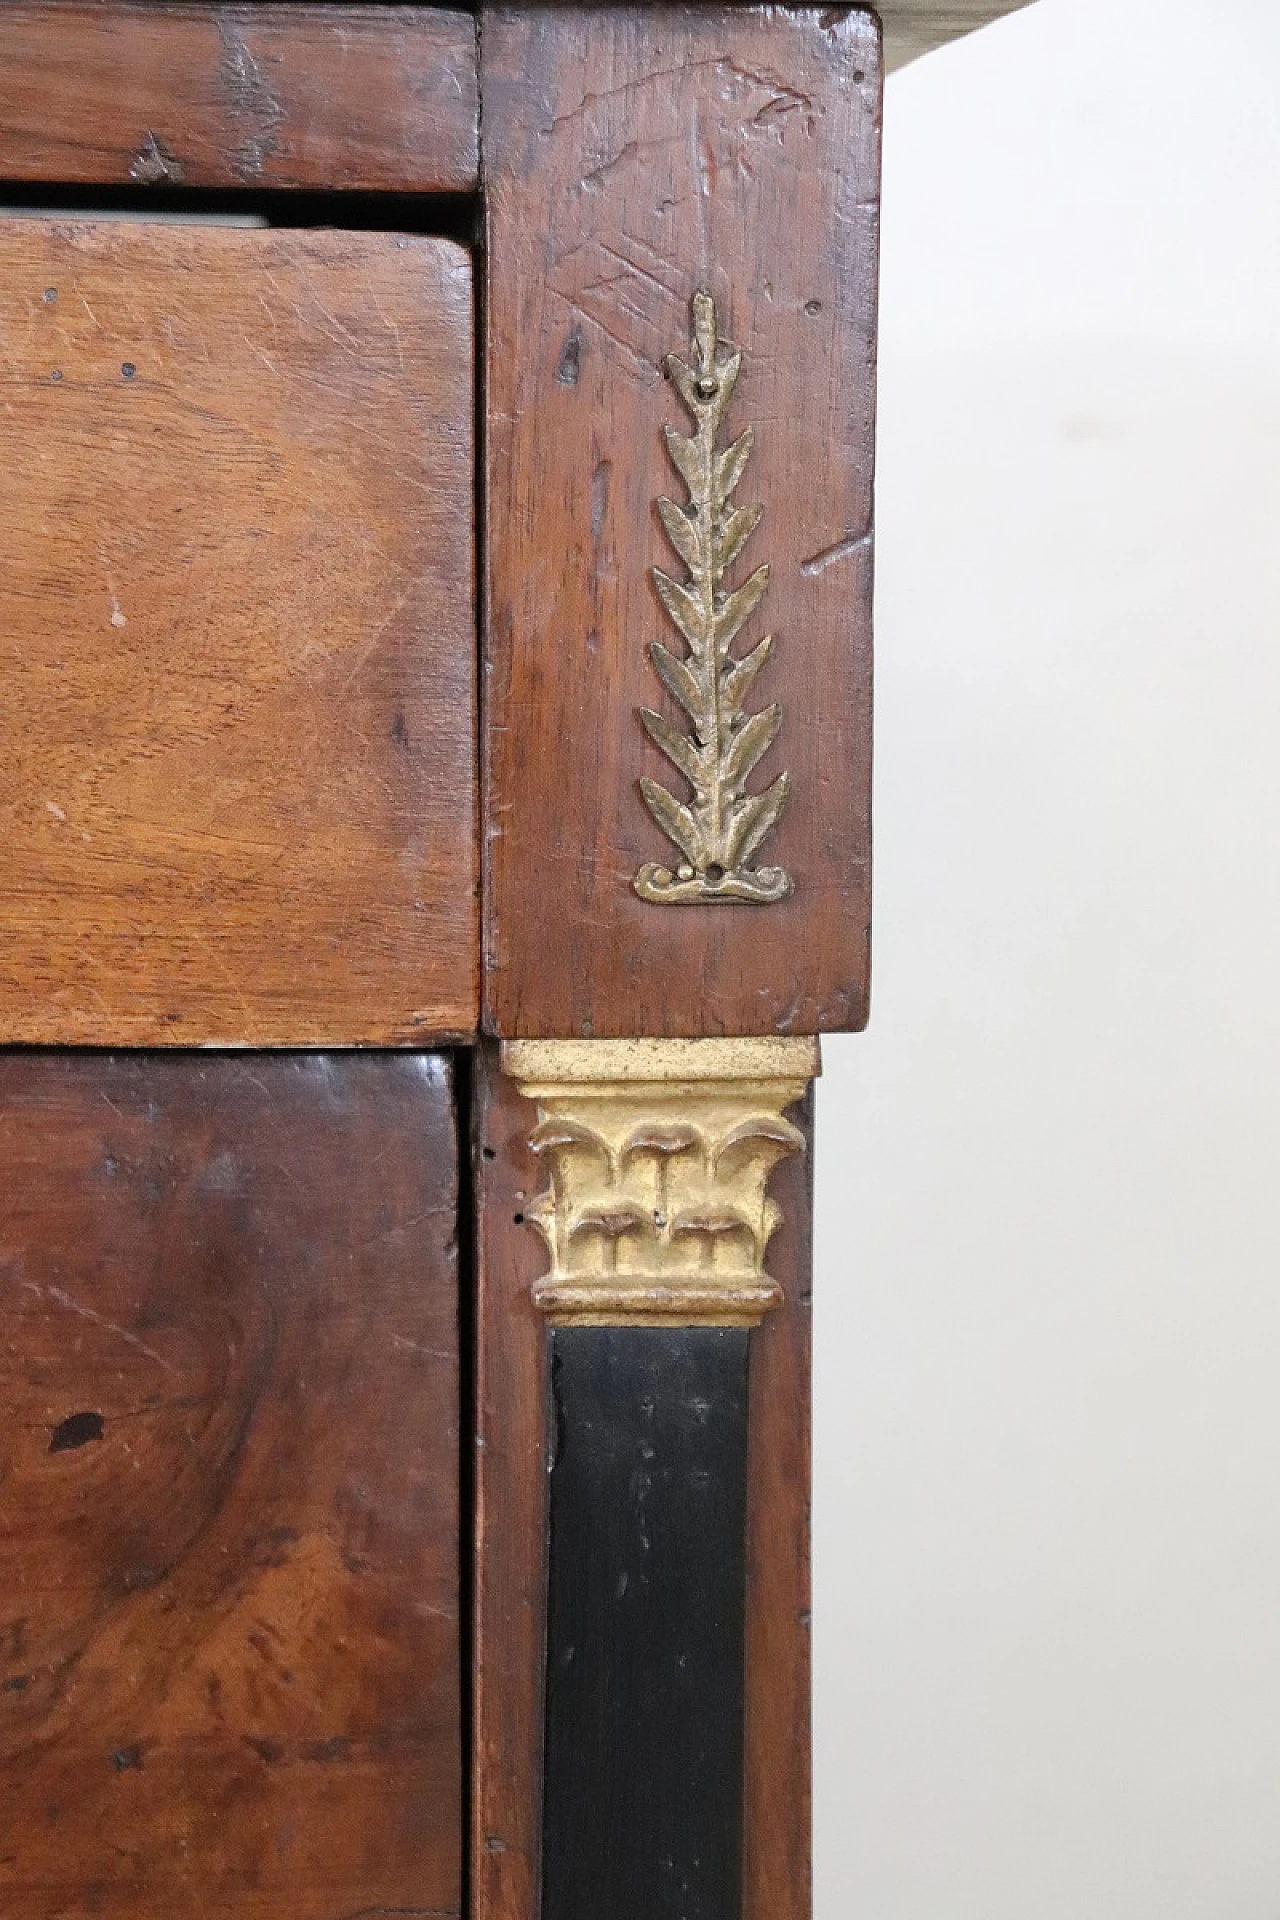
(72, 1305)
(675, 294)
(771, 116)
(817, 563)
(365, 653)
(118, 616)
(341, 336)
(601, 97)
(249, 98)
(404, 1913)
(389, 324)
(596, 177)
(232, 979)
(783, 99)
(155, 164)
(646, 363)
(620, 287)
(415, 1346)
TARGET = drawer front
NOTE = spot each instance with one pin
(237, 785)
(229, 1650)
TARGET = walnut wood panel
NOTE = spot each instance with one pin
(776, 1856)
(511, 1399)
(380, 97)
(634, 156)
(229, 1668)
(510, 1548)
(236, 636)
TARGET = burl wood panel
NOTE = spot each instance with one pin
(632, 157)
(239, 96)
(229, 1666)
(237, 783)
(512, 1442)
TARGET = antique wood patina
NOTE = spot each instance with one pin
(513, 1442)
(633, 159)
(229, 1624)
(314, 629)
(152, 94)
(236, 628)
(657, 1219)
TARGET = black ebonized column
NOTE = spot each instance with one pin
(645, 1642)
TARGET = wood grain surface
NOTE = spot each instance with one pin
(512, 1370)
(512, 1442)
(237, 782)
(162, 95)
(776, 1847)
(633, 156)
(229, 1665)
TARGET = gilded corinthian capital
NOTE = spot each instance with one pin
(658, 1154)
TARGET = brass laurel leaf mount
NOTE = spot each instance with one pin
(722, 825)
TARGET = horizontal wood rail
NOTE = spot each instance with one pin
(368, 98)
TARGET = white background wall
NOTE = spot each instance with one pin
(1048, 1286)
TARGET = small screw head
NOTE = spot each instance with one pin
(707, 388)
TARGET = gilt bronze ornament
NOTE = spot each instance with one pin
(721, 825)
